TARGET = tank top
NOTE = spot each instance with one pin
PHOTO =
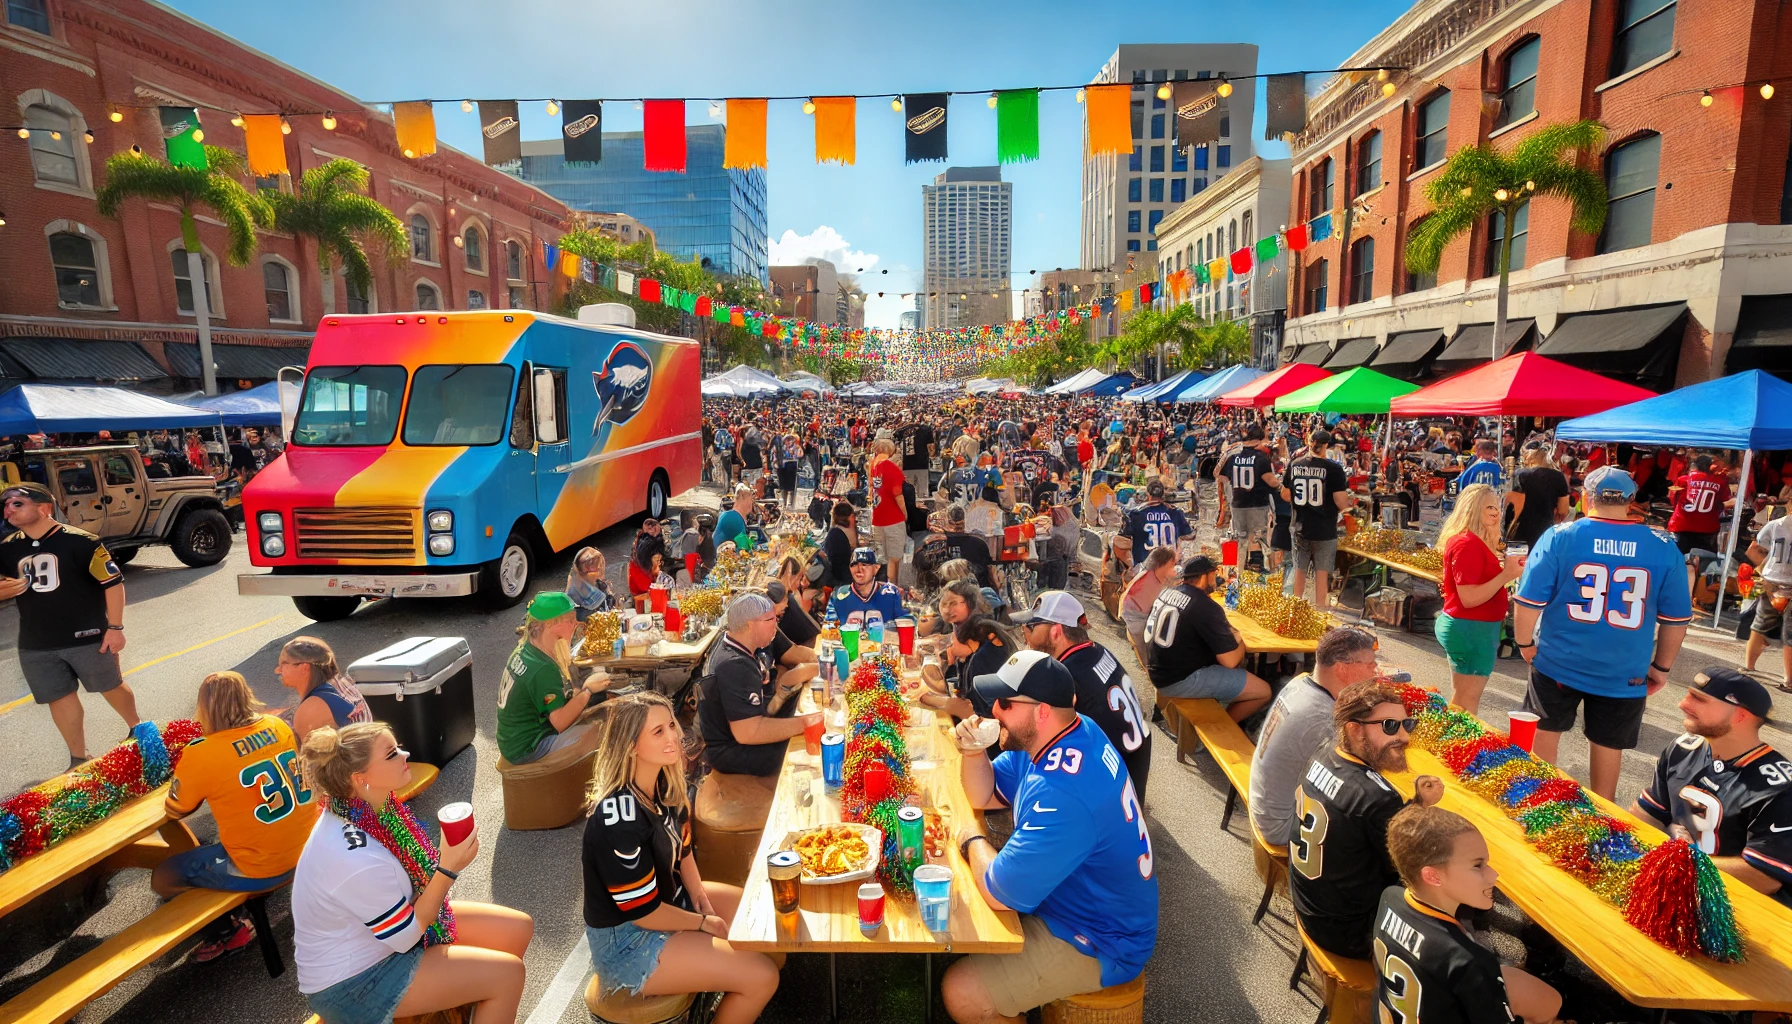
(344, 700)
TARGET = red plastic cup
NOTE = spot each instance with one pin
(457, 822)
(690, 566)
(1228, 552)
(877, 781)
(674, 619)
(657, 594)
(812, 737)
(871, 907)
(1522, 729)
(905, 635)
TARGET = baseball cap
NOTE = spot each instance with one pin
(1200, 565)
(1033, 675)
(550, 605)
(1254, 432)
(1155, 489)
(1732, 687)
(35, 491)
(1056, 606)
(864, 556)
(1610, 482)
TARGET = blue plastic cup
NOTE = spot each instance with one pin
(833, 760)
(842, 665)
(874, 628)
(933, 894)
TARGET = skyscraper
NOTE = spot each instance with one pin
(1124, 197)
(708, 211)
(965, 232)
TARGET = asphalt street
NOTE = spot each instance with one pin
(1210, 964)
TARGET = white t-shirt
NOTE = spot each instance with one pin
(1776, 537)
(351, 905)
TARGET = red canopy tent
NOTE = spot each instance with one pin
(1521, 384)
(1263, 392)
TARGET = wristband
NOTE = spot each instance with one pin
(1524, 647)
(964, 848)
(1660, 668)
(119, 628)
(453, 876)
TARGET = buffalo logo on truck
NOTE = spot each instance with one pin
(622, 384)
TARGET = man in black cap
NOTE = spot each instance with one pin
(1154, 524)
(1250, 472)
(1058, 626)
(1193, 651)
(1718, 786)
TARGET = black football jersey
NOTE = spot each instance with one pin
(1245, 470)
(1105, 696)
(1338, 852)
(1429, 970)
(1740, 808)
(68, 572)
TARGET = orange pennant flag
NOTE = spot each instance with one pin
(416, 125)
(267, 147)
(836, 127)
(744, 143)
(1109, 118)
(1126, 300)
(569, 265)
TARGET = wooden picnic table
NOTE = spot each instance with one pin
(1391, 562)
(1260, 639)
(1640, 970)
(138, 834)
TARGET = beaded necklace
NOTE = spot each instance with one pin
(396, 828)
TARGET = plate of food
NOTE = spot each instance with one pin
(842, 852)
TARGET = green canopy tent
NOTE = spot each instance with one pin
(1357, 391)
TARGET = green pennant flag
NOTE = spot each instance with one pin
(687, 302)
(1017, 125)
(669, 297)
(179, 125)
(1267, 249)
(720, 313)
(1201, 273)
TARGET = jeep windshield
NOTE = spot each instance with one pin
(458, 404)
(349, 405)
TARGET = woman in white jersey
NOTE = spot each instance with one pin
(374, 935)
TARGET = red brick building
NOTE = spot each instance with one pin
(86, 297)
(1692, 276)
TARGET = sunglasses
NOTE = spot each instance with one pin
(1390, 726)
(1008, 703)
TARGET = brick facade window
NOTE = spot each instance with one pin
(1430, 146)
(1362, 270)
(475, 299)
(473, 241)
(1318, 276)
(77, 268)
(276, 286)
(513, 260)
(1645, 32)
(1496, 235)
(183, 282)
(1518, 83)
(1630, 174)
(359, 301)
(1368, 164)
(428, 297)
(422, 238)
(31, 14)
(1322, 178)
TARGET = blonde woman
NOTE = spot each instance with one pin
(655, 926)
(327, 696)
(1475, 574)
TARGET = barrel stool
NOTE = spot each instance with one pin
(1348, 985)
(621, 1008)
(1117, 1004)
(550, 792)
(727, 824)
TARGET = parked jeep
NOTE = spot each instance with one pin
(104, 490)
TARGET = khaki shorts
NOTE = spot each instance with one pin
(1045, 970)
(891, 541)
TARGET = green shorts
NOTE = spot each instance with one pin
(1471, 645)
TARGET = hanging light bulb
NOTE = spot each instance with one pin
(410, 154)
(1767, 90)
(1389, 89)
(116, 116)
(1571, 286)
(1705, 98)
(1530, 186)
(198, 135)
(236, 120)
(1163, 91)
(808, 106)
(896, 104)
(1501, 194)
(329, 120)
(1224, 88)
(24, 133)
(2, 220)
(1079, 95)
(553, 108)
(136, 150)
(89, 135)
(466, 106)
(1381, 75)
(991, 102)
(285, 126)
(459, 242)
(57, 136)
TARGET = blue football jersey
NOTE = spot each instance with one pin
(1155, 526)
(1079, 858)
(1603, 586)
(884, 604)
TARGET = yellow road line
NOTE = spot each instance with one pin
(4, 708)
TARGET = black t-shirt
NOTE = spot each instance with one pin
(837, 546)
(1245, 470)
(973, 549)
(986, 660)
(916, 519)
(797, 625)
(1737, 808)
(1313, 486)
(915, 442)
(69, 572)
(1543, 487)
(1105, 696)
(739, 687)
(631, 856)
(1428, 969)
(1185, 632)
(751, 455)
(1338, 852)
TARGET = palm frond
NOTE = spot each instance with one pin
(1547, 144)
(1584, 189)
(355, 265)
(242, 211)
(135, 175)
(339, 175)
(1426, 242)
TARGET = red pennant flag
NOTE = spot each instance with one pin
(1144, 294)
(647, 290)
(1241, 261)
(702, 306)
(1297, 237)
(662, 126)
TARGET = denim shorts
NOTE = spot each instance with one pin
(1214, 682)
(371, 996)
(209, 867)
(625, 956)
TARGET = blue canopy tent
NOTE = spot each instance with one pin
(1749, 411)
(1108, 387)
(1163, 387)
(49, 408)
(1229, 379)
(256, 407)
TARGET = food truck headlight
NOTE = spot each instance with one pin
(441, 521)
(441, 544)
(269, 522)
(273, 545)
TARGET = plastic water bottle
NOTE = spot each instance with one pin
(1232, 594)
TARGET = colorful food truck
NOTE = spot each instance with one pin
(445, 454)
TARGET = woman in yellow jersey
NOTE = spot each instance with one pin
(246, 767)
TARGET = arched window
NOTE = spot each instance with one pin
(1362, 270)
(1432, 132)
(1645, 31)
(513, 260)
(422, 238)
(277, 289)
(1630, 173)
(1368, 163)
(53, 155)
(473, 240)
(1248, 238)
(475, 299)
(1320, 180)
(183, 283)
(77, 267)
(1318, 279)
(1518, 83)
(428, 297)
(1232, 238)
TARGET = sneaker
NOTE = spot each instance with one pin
(76, 761)
(209, 951)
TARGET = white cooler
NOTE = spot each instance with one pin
(423, 688)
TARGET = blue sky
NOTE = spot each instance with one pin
(864, 216)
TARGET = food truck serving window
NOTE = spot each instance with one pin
(349, 405)
(458, 404)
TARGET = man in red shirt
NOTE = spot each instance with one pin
(1700, 498)
(889, 514)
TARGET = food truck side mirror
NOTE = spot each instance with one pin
(547, 423)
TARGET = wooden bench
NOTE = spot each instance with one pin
(1348, 985)
(1230, 747)
(1271, 863)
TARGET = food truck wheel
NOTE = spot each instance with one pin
(657, 498)
(326, 609)
(504, 580)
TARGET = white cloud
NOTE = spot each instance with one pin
(825, 243)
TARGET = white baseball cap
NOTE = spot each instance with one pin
(1056, 606)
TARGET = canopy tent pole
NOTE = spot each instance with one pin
(1717, 607)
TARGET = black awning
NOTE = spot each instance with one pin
(235, 361)
(1639, 343)
(1763, 338)
(1351, 353)
(79, 360)
(1473, 343)
(1406, 354)
(1314, 353)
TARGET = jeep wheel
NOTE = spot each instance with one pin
(657, 496)
(326, 609)
(202, 537)
(123, 556)
(504, 580)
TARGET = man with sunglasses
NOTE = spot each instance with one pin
(1338, 852)
(1299, 727)
(1058, 626)
(1078, 867)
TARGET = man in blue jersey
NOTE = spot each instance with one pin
(1600, 613)
(1154, 524)
(1078, 867)
(865, 598)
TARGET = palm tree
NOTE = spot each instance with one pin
(330, 206)
(133, 175)
(1479, 181)
(1220, 343)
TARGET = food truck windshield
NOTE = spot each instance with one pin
(460, 404)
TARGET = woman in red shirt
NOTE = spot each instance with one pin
(1474, 586)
